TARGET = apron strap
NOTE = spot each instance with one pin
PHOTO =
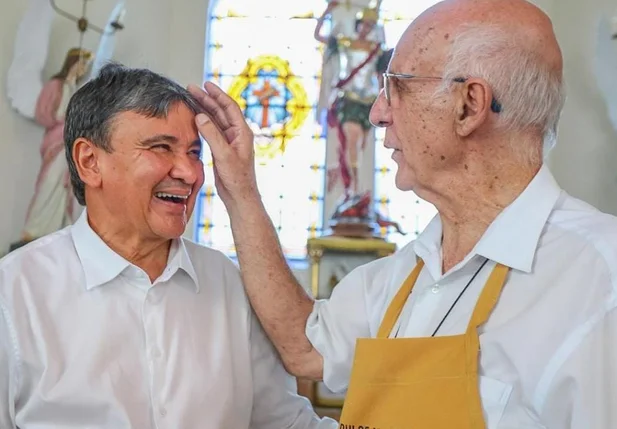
(396, 306)
(484, 306)
(489, 296)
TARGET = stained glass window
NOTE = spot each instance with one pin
(263, 54)
(411, 212)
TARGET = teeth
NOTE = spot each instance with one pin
(165, 195)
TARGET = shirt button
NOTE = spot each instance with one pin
(435, 288)
(163, 412)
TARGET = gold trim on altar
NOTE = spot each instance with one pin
(370, 248)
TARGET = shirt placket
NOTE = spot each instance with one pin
(420, 309)
(152, 314)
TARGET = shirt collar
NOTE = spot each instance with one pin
(512, 238)
(101, 264)
(179, 259)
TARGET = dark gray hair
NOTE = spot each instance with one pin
(116, 89)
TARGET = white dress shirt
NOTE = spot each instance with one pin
(549, 349)
(87, 341)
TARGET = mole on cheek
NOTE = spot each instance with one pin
(443, 158)
(446, 36)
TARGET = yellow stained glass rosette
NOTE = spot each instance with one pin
(271, 141)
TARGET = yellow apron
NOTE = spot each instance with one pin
(419, 383)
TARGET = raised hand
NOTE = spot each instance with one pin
(230, 139)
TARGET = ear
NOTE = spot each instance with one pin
(473, 106)
(86, 158)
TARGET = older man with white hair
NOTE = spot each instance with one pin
(503, 312)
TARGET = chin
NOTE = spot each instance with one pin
(403, 183)
(169, 223)
(169, 230)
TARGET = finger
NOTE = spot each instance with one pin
(217, 114)
(239, 132)
(230, 107)
(215, 139)
(210, 106)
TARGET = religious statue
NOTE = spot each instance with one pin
(52, 206)
(361, 60)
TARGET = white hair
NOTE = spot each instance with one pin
(530, 92)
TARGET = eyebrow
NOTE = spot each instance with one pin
(159, 138)
(166, 138)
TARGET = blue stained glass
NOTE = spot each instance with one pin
(275, 111)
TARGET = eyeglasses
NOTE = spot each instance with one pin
(495, 105)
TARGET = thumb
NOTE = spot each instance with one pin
(213, 136)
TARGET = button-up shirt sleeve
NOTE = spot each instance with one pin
(336, 323)
(275, 401)
(583, 391)
(7, 375)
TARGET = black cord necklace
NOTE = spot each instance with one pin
(455, 301)
(459, 296)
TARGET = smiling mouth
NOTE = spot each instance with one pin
(172, 198)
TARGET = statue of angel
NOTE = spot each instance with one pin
(52, 206)
(361, 60)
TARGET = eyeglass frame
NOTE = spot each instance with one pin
(495, 105)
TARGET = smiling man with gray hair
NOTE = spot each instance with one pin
(502, 314)
(117, 322)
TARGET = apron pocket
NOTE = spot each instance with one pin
(495, 395)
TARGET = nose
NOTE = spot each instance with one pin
(380, 114)
(186, 169)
